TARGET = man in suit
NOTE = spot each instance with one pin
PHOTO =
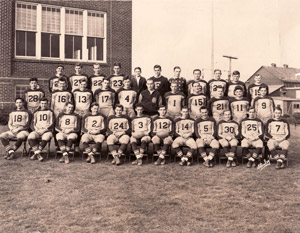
(137, 81)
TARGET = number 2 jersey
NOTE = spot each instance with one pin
(82, 100)
(19, 119)
(228, 128)
(216, 107)
(239, 108)
(32, 98)
(43, 120)
(277, 129)
(68, 121)
(264, 108)
(59, 100)
(252, 128)
(118, 124)
(94, 124)
(184, 126)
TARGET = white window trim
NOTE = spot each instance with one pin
(62, 35)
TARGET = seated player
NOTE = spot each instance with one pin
(116, 79)
(93, 129)
(118, 130)
(228, 134)
(264, 105)
(184, 132)
(43, 125)
(196, 100)
(162, 134)
(18, 123)
(53, 81)
(217, 105)
(253, 88)
(141, 129)
(198, 79)
(206, 131)
(175, 100)
(252, 134)
(235, 82)
(33, 95)
(106, 98)
(216, 82)
(127, 97)
(239, 105)
(82, 99)
(278, 132)
(68, 127)
(95, 81)
(75, 78)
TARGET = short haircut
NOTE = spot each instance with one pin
(236, 72)
(139, 105)
(60, 66)
(217, 70)
(257, 74)
(157, 66)
(203, 108)
(278, 108)
(197, 70)
(174, 83)
(262, 86)
(78, 64)
(126, 78)
(226, 111)
(119, 106)
(94, 104)
(161, 106)
(44, 99)
(106, 79)
(96, 64)
(251, 108)
(138, 68)
(19, 98)
(219, 87)
(33, 79)
(83, 81)
(176, 67)
(151, 80)
(238, 87)
(69, 103)
(185, 107)
(61, 80)
(195, 83)
(117, 64)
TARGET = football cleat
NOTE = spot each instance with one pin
(93, 161)
(67, 160)
(135, 162)
(158, 161)
(206, 163)
(228, 164)
(278, 165)
(249, 164)
(40, 158)
(139, 162)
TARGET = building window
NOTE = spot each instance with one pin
(296, 106)
(20, 90)
(60, 33)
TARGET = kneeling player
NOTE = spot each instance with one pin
(205, 130)
(252, 133)
(228, 134)
(162, 131)
(184, 131)
(278, 131)
(118, 130)
(18, 124)
(93, 129)
(141, 128)
(68, 127)
(43, 125)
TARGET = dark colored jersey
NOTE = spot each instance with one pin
(264, 107)
(239, 109)
(127, 98)
(205, 127)
(174, 102)
(184, 126)
(68, 122)
(216, 107)
(94, 124)
(150, 101)
(43, 120)
(33, 97)
(116, 81)
(141, 124)
(252, 128)
(228, 128)
(277, 129)
(162, 85)
(19, 119)
(214, 84)
(253, 91)
(203, 86)
(95, 82)
(195, 102)
(181, 83)
(59, 100)
(82, 100)
(119, 124)
(163, 125)
(53, 83)
(75, 80)
(105, 98)
(231, 86)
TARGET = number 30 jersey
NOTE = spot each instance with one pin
(251, 128)
(68, 121)
(94, 124)
(119, 124)
(59, 100)
(228, 128)
(277, 129)
(43, 120)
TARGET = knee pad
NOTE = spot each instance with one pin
(191, 144)
(124, 139)
(245, 143)
(133, 140)
(168, 140)
(234, 142)
(72, 136)
(111, 140)
(47, 136)
(223, 142)
(99, 138)
(22, 135)
(146, 139)
(156, 140)
(214, 144)
(284, 144)
(199, 142)
(85, 138)
(60, 136)
(271, 144)
(33, 136)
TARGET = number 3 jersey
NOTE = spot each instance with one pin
(277, 129)
(43, 120)
(205, 127)
(118, 124)
(69, 121)
(163, 125)
(59, 100)
(94, 124)
(184, 126)
(252, 128)
(228, 128)
(82, 100)
(141, 124)
(264, 107)
(19, 119)
(32, 98)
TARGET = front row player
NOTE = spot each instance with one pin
(278, 131)
(18, 124)
(93, 129)
(43, 125)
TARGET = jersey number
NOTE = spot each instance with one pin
(228, 129)
(97, 83)
(105, 98)
(198, 102)
(263, 105)
(94, 123)
(119, 126)
(140, 125)
(278, 127)
(251, 127)
(220, 106)
(62, 99)
(186, 126)
(67, 121)
(82, 99)
(163, 125)
(33, 98)
(43, 117)
(18, 118)
(117, 83)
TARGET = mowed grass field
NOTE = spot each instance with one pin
(80, 197)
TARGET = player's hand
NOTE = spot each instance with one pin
(93, 131)
(228, 138)
(186, 135)
(67, 130)
(15, 130)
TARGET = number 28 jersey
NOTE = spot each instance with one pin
(32, 98)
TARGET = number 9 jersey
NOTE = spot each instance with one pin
(264, 107)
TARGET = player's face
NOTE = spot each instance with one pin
(139, 111)
(174, 87)
(44, 105)
(220, 92)
(96, 69)
(19, 104)
(157, 72)
(61, 85)
(118, 111)
(59, 70)
(197, 75)
(239, 93)
(162, 111)
(116, 69)
(184, 113)
(137, 72)
(83, 85)
(251, 113)
(33, 85)
(127, 84)
(235, 78)
(204, 113)
(150, 85)
(94, 110)
(177, 73)
(257, 79)
(69, 108)
(105, 84)
(196, 87)
(277, 114)
(263, 92)
(77, 69)
(227, 116)
(218, 74)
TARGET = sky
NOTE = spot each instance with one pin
(179, 33)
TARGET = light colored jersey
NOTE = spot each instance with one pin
(141, 124)
(94, 124)
(264, 107)
(96, 82)
(19, 119)
(195, 102)
(213, 84)
(184, 126)
(82, 100)
(105, 98)
(217, 107)
(162, 125)
(33, 98)
(203, 86)
(127, 98)
(118, 124)
(239, 109)
(205, 127)
(251, 128)
(75, 80)
(174, 102)
(116, 82)
(59, 100)
(228, 128)
(43, 119)
(277, 129)
(68, 121)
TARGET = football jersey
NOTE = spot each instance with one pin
(59, 100)
(127, 97)
(95, 123)
(277, 129)
(33, 97)
(95, 82)
(53, 83)
(239, 109)
(216, 107)
(181, 83)
(264, 107)
(195, 102)
(163, 124)
(228, 128)
(19, 119)
(75, 79)
(251, 128)
(82, 100)
(174, 102)
(118, 124)
(68, 121)
(141, 124)
(231, 86)
(162, 85)
(43, 119)
(105, 98)
(116, 82)
(253, 91)
(213, 84)
(205, 127)
(184, 126)
(203, 86)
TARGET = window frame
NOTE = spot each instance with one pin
(62, 34)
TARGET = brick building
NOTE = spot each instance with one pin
(37, 35)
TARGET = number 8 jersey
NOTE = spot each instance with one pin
(68, 121)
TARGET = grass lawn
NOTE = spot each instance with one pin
(80, 197)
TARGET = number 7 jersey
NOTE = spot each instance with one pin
(277, 129)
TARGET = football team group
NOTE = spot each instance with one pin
(172, 114)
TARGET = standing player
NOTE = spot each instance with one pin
(138, 82)
(175, 100)
(252, 134)
(116, 79)
(196, 100)
(141, 129)
(118, 130)
(33, 95)
(68, 127)
(93, 129)
(217, 105)
(216, 82)
(53, 81)
(106, 98)
(202, 82)
(278, 133)
(43, 125)
(161, 83)
(181, 82)
(162, 134)
(264, 105)
(233, 83)
(253, 88)
(239, 105)
(127, 97)
(75, 79)
(95, 81)
(206, 132)
(184, 132)
(18, 123)
(82, 98)
(228, 134)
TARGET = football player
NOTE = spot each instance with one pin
(217, 105)
(233, 83)
(184, 132)
(33, 95)
(216, 82)
(239, 105)
(53, 81)
(75, 78)
(82, 98)
(175, 100)
(116, 79)
(253, 88)
(202, 82)
(196, 100)
(118, 130)
(181, 82)
(96, 79)
(18, 123)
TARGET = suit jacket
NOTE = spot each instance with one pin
(138, 87)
